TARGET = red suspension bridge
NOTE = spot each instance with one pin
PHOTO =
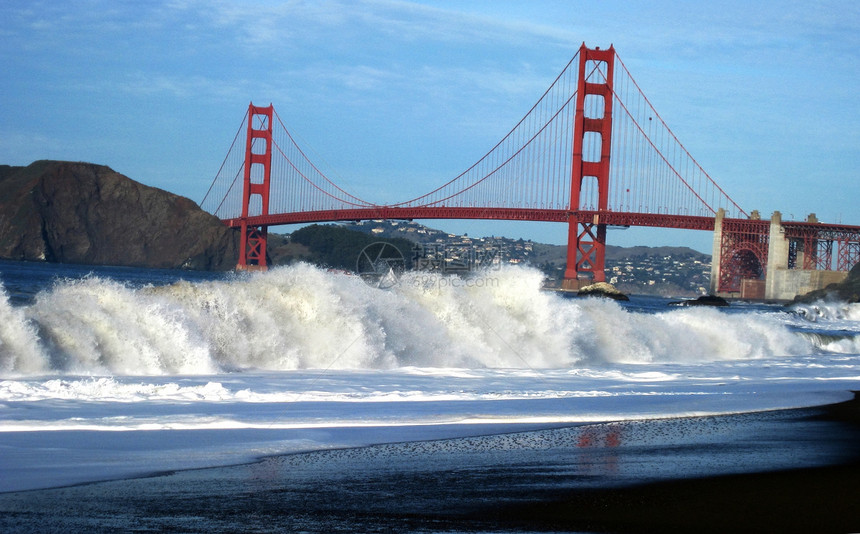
(553, 165)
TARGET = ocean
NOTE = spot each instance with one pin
(110, 374)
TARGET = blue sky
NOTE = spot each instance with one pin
(394, 98)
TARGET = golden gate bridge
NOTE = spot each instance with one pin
(592, 152)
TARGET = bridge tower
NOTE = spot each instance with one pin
(257, 177)
(586, 239)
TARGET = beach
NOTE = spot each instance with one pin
(811, 499)
(787, 471)
(300, 400)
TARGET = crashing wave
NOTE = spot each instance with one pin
(302, 317)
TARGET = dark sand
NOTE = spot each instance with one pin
(807, 500)
(788, 471)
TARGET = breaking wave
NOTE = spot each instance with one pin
(302, 317)
(827, 311)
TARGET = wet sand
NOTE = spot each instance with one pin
(803, 500)
(814, 500)
(788, 471)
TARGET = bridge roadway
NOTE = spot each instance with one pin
(612, 218)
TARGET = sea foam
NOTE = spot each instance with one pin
(19, 347)
(303, 317)
(827, 311)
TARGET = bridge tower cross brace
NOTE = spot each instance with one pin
(257, 177)
(586, 240)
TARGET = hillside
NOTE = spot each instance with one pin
(72, 212)
(667, 271)
(329, 246)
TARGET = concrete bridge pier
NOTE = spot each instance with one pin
(716, 255)
(753, 260)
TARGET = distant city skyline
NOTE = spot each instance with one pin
(393, 98)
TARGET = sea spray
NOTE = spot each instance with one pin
(498, 318)
(19, 346)
(303, 317)
(827, 311)
(101, 326)
(824, 325)
(682, 335)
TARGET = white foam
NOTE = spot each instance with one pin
(19, 347)
(301, 317)
(106, 389)
(850, 345)
(827, 311)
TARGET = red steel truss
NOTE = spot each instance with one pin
(743, 252)
(816, 242)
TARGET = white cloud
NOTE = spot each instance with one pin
(267, 26)
(437, 73)
(179, 86)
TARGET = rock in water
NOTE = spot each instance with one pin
(846, 291)
(602, 289)
(71, 212)
(704, 300)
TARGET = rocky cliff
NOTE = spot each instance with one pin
(71, 212)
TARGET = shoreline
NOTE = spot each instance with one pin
(803, 500)
(545, 480)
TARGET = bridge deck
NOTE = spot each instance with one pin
(612, 218)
